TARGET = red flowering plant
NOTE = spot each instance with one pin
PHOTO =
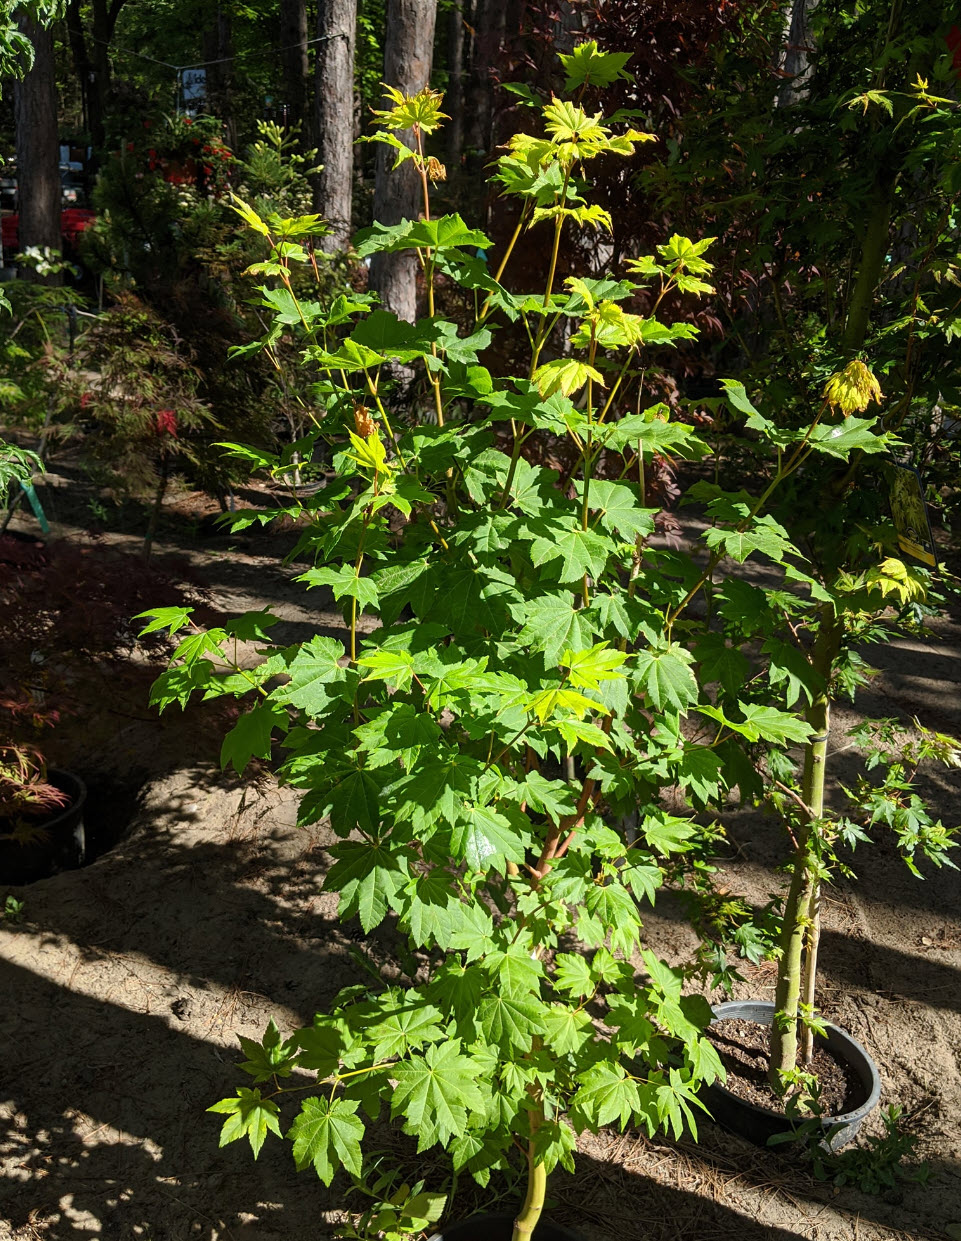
(146, 420)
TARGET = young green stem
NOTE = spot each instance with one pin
(529, 1214)
(798, 929)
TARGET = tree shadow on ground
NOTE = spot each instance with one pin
(108, 1092)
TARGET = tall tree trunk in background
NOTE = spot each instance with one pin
(397, 195)
(490, 22)
(217, 49)
(91, 60)
(38, 149)
(81, 57)
(454, 104)
(293, 59)
(334, 115)
(797, 53)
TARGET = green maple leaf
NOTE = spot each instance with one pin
(588, 66)
(457, 988)
(765, 536)
(485, 839)
(431, 908)
(434, 1092)
(251, 736)
(720, 662)
(315, 666)
(605, 1094)
(343, 580)
(770, 724)
(791, 666)
(553, 625)
(853, 433)
(578, 551)
(366, 876)
(666, 676)
(327, 1135)
(613, 905)
(269, 1057)
(700, 771)
(619, 507)
(410, 1025)
(566, 1029)
(354, 801)
(551, 797)
(589, 668)
(572, 974)
(510, 1022)
(762, 723)
(666, 834)
(392, 666)
(640, 876)
(517, 973)
(248, 1115)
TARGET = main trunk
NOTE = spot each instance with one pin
(334, 115)
(38, 153)
(397, 195)
(801, 911)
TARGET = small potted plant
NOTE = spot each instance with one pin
(41, 815)
(847, 607)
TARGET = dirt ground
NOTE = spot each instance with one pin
(126, 983)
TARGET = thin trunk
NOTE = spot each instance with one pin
(293, 60)
(490, 23)
(217, 49)
(529, 1214)
(873, 249)
(795, 973)
(397, 195)
(455, 89)
(38, 150)
(81, 57)
(334, 116)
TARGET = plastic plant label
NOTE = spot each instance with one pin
(910, 514)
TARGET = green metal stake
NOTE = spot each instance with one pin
(37, 507)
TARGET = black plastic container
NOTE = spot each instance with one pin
(499, 1227)
(63, 844)
(758, 1124)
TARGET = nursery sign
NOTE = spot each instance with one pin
(911, 515)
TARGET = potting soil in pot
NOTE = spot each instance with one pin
(744, 1048)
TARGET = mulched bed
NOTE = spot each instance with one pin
(743, 1047)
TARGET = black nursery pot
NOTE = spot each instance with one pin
(758, 1124)
(64, 846)
(500, 1227)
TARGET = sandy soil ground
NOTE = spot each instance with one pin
(126, 983)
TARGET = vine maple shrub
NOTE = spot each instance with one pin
(534, 674)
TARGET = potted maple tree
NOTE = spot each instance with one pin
(859, 592)
(525, 683)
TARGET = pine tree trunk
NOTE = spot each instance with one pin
(38, 150)
(293, 59)
(454, 103)
(334, 116)
(490, 22)
(217, 49)
(797, 53)
(397, 195)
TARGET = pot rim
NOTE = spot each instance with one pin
(842, 1040)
